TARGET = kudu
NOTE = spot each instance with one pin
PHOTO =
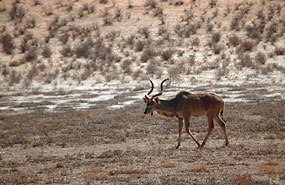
(184, 105)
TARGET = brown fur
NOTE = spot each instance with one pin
(184, 105)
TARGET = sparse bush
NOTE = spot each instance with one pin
(246, 45)
(32, 73)
(245, 61)
(7, 43)
(131, 40)
(14, 78)
(195, 41)
(66, 50)
(166, 54)
(139, 45)
(217, 48)
(209, 27)
(46, 51)
(147, 54)
(215, 37)
(16, 12)
(158, 12)
(126, 63)
(107, 20)
(234, 40)
(150, 3)
(82, 49)
(144, 31)
(213, 3)
(117, 14)
(162, 30)
(151, 68)
(260, 58)
(31, 54)
(279, 50)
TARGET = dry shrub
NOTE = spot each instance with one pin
(7, 43)
(168, 165)
(150, 3)
(221, 72)
(279, 51)
(147, 54)
(16, 12)
(217, 48)
(15, 78)
(198, 167)
(31, 54)
(66, 50)
(234, 40)
(246, 45)
(245, 61)
(174, 72)
(260, 58)
(212, 3)
(244, 179)
(195, 41)
(107, 20)
(151, 68)
(32, 72)
(215, 38)
(144, 31)
(46, 52)
(166, 54)
(139, 45)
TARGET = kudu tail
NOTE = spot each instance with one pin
(222, 110)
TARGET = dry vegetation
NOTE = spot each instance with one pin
(69, 37)
(56, 41)
(102, 146)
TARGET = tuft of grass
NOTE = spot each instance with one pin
(168, 165)
(198, 167)
(244, 179)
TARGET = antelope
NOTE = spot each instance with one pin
(183, 106)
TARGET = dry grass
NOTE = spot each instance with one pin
(168, 165)
(198, 167)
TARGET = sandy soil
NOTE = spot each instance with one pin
(97, 145)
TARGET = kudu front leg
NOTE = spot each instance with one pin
(180, 125)
(187, 125)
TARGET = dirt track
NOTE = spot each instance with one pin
(122, 146)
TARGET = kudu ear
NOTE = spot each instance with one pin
(156, 100)
(145, 99)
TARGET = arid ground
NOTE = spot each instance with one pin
(122, 146)
(73, 74)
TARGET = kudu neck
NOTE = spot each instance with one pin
(165, 105)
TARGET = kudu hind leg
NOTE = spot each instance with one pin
(180, 125)
(187, 125)
(223, 126)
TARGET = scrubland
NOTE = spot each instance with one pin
(233, 48)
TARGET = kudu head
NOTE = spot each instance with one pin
(153, 101)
